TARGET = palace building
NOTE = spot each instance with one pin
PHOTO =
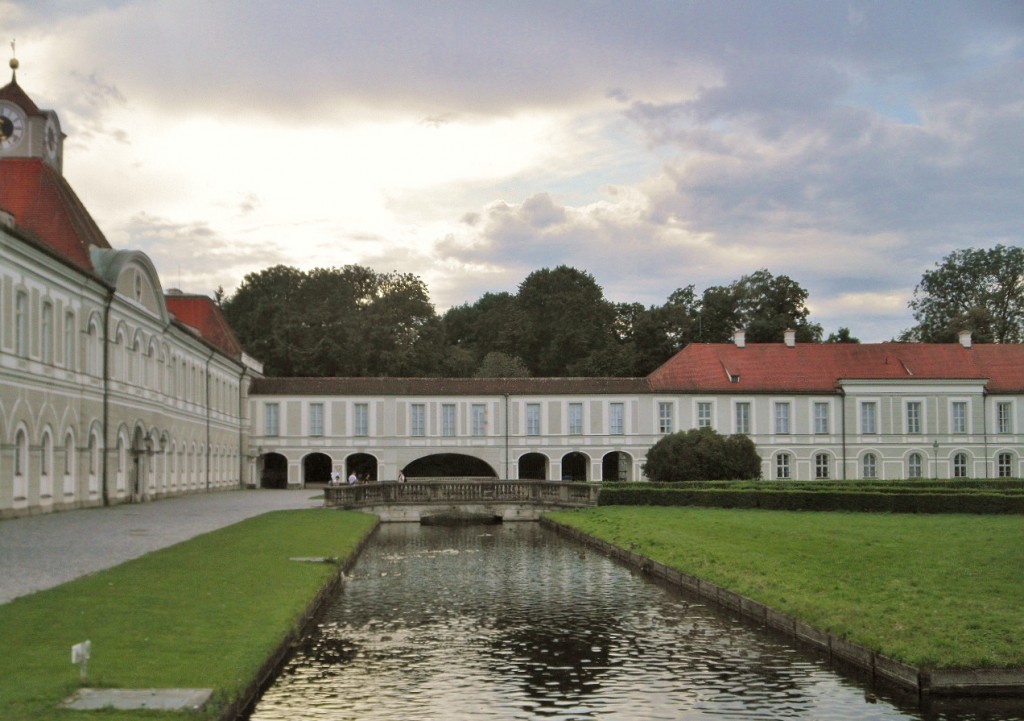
(114, 390)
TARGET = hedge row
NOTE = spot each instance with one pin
(801, 499)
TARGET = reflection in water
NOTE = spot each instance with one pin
(513, 622)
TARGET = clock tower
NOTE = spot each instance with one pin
(25, 130)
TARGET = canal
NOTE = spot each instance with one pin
(513, 622)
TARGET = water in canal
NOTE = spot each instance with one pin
(514, 622)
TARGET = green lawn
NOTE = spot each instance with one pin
(204, 613)
(943, 591)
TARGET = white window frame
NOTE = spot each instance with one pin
(868, 421)
(533, 419)
(915, 465)
(822, 466)
(741, 421)
(959, 411)
(46, 330)
(361, 420)
(479, 419)
(21, 314)
(449, 420)
(869, 466)
(574, 417)
(666, 417)
(418, 420)
(913, 426)
(961, 465)
(1004, 464)
(272, 419)
(783, 466)
(1004, 421)
(316, 419)
(69, 340)
(617, 418)
(782, 423)
(820, 411)
(704, 414)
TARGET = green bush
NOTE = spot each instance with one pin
(702, 455)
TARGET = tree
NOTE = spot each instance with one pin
(764, 305)
(972, 289)
(501, 365)
(841, 336)
(702, 455)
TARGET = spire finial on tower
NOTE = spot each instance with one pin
(13, 63)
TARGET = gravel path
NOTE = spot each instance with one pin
(39, 552)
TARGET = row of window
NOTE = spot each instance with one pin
(869, 465)
(869, 425)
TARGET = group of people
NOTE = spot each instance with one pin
(354, 478)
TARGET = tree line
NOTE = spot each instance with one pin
(354, 321)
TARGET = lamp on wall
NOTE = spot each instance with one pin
(935, 464)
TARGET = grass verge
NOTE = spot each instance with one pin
(939, 591)
(205, 613)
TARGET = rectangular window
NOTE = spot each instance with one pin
(914, 417)
(1004, 465)
(46, 340)
(914, 466)
(616, 416)
(958, 417)
(448, 420)
(782, 417)
(704, 414)
(479, 419)
(821, 466)
(418, 419)
(870, 466)
(271, 420)
(743, 418)
(782, 466)
(316, 419)
(362, 419)
(869, 418)
(575, 419)
(533, 419)
(21, 324)
(1004, 417)
(665, 420)
(821, 418)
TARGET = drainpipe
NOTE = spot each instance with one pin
(106, 394)
(984, 429)
(842, 424)
(506, 438)
(241, 431)
(207, 379)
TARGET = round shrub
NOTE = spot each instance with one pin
(702, 455)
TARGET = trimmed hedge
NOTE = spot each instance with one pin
(994, 496)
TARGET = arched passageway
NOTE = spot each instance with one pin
(274, 473)
(574, 466)
(533, 467)
(316, 468)
(616, 466)
(448, 465)
(363, 465)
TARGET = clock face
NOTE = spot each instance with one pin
(52, 139)
(12, 126)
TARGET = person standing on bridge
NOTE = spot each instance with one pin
(352, 478)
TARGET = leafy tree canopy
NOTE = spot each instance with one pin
(972, 289)
(702, 454)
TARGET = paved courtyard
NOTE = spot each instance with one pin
(39, 552)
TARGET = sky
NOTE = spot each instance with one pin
(848, 145)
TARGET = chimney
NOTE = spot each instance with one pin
(790, 337)
(965, 338)
(739, 337)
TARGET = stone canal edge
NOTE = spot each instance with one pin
(304, 624)
(923, 682)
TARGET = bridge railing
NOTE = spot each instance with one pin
(456, 491)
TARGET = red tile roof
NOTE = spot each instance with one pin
(819, 367)
(449, 386)
(43, 204)
(201, 313)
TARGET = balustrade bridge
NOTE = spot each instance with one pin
(426, 499)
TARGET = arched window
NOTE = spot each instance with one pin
(46, 333)
(822, 466)
(1004, 465)
(960, 465)
(914, 465)
(869, 466)
(21, 324)
(20, 465)
(69, 341)
(783, 470)
(92, 349)
(46, 465)
(68, 463)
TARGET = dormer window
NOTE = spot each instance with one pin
(138, 288)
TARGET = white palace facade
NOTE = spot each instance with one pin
(113, 390)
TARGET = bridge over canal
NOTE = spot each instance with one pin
(424, 500)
